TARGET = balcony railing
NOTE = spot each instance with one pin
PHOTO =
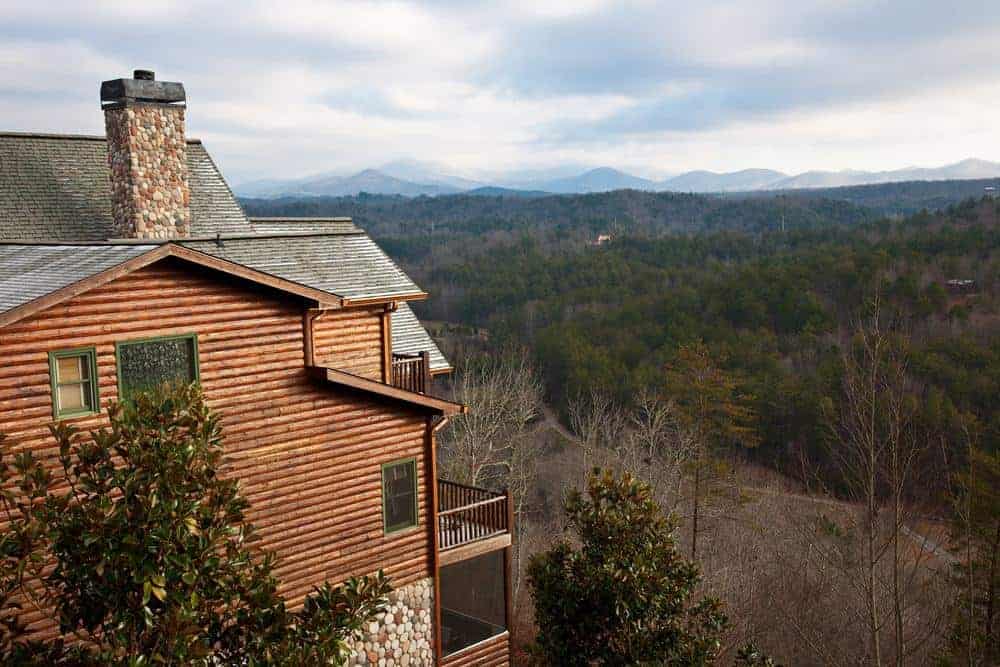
(412, 372)
(468, 514)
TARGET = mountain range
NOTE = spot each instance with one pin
(413, 178)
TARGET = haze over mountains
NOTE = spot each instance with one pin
(412, 178)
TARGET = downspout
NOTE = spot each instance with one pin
(432, 432)
(390, 308)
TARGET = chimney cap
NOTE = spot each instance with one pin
(142, 88)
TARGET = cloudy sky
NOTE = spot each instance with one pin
(283, 89)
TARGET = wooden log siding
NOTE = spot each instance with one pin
(351, 339)
(309, 456)
(491, 652)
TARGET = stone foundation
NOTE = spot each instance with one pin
(404, 635)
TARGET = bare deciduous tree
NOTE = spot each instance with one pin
(598, 422)
(655, 446)
(876, 450)
(485, 446)
(494, 445)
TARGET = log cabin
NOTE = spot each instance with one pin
(126, 261)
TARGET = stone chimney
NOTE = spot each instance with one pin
(147, 154)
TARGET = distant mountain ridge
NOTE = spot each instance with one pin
(411, 178)
(710, 181)
(602, 179)
(335, 185)
(965, 170)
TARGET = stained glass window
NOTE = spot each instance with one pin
(151, 365)
(399, 494)
(74, 382)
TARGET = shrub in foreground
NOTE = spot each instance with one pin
(619, 593)
(139, 547)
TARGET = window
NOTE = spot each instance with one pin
(399, 495)
(152, 363)
(74, 382)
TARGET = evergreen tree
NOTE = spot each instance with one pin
(974, 638)
(620, 593)
(714, 412)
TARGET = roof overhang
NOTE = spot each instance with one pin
(322, 299)
(350, 381)
(375, 300)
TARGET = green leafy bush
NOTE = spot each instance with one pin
(620, 593)
(138, 545)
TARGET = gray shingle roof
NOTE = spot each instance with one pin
(277, 226)
(349, 265)
(28, 272)
(410, 337)
(56, 187)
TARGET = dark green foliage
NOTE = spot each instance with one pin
(772, 308)
(153, 554)
(974, 637)
(395, 216)
(619, 593)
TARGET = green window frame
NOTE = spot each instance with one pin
(84, 380)
(399, 499)
(195, 370)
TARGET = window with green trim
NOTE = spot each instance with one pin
(152, 364)
(74, 382)
(399, 495)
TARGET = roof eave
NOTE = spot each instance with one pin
(322, 299)
(373, 300)
(356, 382)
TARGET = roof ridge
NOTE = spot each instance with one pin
(269, 235)
(191, 239)
(294, 218)
(152, 243)
(76, 137)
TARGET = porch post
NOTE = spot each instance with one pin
(436, 537)
(508, 560)
(425, 369)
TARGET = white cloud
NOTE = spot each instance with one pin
(301, 86)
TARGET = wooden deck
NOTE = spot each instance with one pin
(467, 514)
(411, 372)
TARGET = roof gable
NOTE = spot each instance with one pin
(59, 278)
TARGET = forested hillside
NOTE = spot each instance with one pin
(494, 210)
(708, 363)
(812, 389)
(903, 198)
(626, 210)
(774, 309)
(773, 306)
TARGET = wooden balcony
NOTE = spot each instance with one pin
(412, 372)
(473, 605)
(467, 514)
